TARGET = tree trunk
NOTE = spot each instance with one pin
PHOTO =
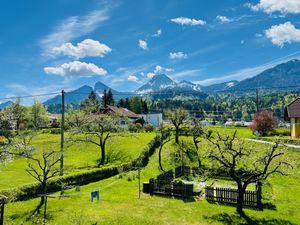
(177, 135)
(199, 163)
(102, 162)
(240, 199)
(198, 157)
(42, 201)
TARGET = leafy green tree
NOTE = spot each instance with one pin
(7, 125)
(178, 117)
(136, 105)
(38, 116)
(96, 129)
(17, 113)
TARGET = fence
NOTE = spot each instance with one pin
(160, 187)
(229, 196)
(164, 185)
(182, 171)
(2, 203)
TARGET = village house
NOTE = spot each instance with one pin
(155, 119)
(292, 112)
(128, 116)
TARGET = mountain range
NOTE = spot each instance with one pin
(285, 74)
(162, 86)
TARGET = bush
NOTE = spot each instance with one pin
(149, 127)
(54, 131)
(135, 127)
(263, 122)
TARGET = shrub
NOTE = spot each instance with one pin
(139, 127)
(149, 127)
(263, 122)
(54, 131)
(135, 127)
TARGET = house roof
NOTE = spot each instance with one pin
(122, 111)
(293, 109)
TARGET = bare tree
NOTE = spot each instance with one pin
(42, 169)
(178, 118)
(97, 129)
(243, 164)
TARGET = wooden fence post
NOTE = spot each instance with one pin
(151, 186)
(259, 195)
(2, 212)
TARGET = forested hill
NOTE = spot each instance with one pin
(283, 75)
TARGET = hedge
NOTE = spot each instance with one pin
(33, 190)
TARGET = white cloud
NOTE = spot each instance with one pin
(177, 55)
(169, 69)
(188, 21)
(76, 69)
(158, 69)
(271, 6)
(283, 33)
(150, 75)
(86, 48)
(223, 19)
(158, 33)
(74, 27)
(132, 78)
(143, 44)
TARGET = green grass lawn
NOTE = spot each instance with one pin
(119, 202)
(78, 156)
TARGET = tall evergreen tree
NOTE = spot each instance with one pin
(144, 107)
(121, 103)
(127, 103)
(110, 98)
(107, 98)
(104, 99)
(91, 104)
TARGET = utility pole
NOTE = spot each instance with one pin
(257, 107)
(139, 174)
(62, 131)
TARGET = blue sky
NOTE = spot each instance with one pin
(47, 46)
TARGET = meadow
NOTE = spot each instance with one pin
(78, 156)
(119, 202)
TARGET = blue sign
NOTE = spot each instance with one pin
(95, 194)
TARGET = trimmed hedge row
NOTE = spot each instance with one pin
(33, 190)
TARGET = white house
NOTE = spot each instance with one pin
(154, 119)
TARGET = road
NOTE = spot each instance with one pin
(271, 143)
